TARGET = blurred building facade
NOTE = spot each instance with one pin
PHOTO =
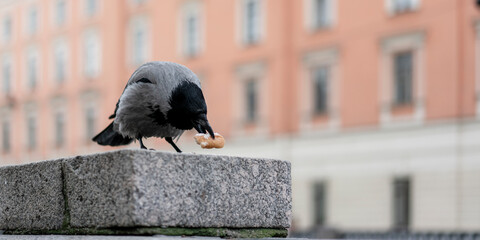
(375, 102)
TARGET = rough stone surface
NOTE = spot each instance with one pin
(63, 237)
(131, 188)
(31, 196)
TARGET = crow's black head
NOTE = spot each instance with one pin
(188, 109)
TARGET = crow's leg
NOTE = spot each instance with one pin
(141, 143)
(170, 140)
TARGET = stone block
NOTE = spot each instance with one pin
(31, 196)
(142, 188)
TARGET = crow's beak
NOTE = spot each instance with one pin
(203, 126)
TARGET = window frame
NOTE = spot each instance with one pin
(7, 29)
(189, 9)
(60, 17)
(32, 21)
(390, 6)
(397, 99)
(311, 15)
(317, 110)
(389, 46)
(310, 122)
(320, 210)
(259, 28)
(138, 23)
(7, 61)
(401, 205)
(243, 73)
(6, 136)
(91, 54)
(60, 48)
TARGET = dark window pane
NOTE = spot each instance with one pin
(6, 137)
(251, 100)
(7, 28)
(320, 13)
(400, 6)
(401, 203)
(32, 133)
(192, 35)
(60, 130)
(403, 78)
(90, 123)
(319, 204)
(251, 21)
(320, 88)
(6, 78)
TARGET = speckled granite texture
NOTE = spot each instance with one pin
(31, 196)
(147, 188)
(142, 188)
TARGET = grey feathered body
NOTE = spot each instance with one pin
(142, 105)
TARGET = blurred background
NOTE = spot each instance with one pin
(374, 102)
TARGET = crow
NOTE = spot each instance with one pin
(161, 99)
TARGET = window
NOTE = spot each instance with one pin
(7, 29)
(320, 88)
(251, 21)
(32, 71)
(320, 17)
(90, 123)
(403, 78)
(32, 21)
(319, 14)
(401, 6)
(319, 203)
(192, 36)
(91, 7)
(6, 137)
(60, 12)
(401, 203)
(139, 42)
(92, 54)
(7, 75)
(60, 62)
(251, 100)
(59, 130)
(31, 133)
(319, 91)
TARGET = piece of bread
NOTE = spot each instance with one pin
(205, 141)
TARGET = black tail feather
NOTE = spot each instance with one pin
(111, 138)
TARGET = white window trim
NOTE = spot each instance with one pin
(134, 23)
(241, 26)
(244, 73)
(91, 35)
(325, 57)
(191, 7)
(390, 9)
(309, 15)
(477, 65)
(414, 42)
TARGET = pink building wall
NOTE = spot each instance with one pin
(357, 33)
